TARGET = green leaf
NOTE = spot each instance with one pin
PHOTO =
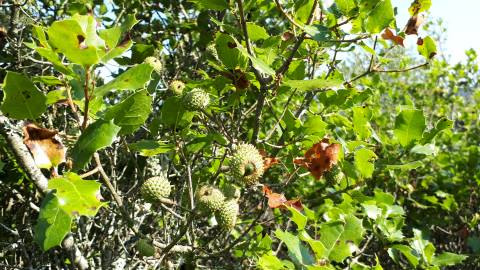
(406, 166)
(256, 32)
(132, 79)
(441, 125)
(380, 16)
(51, 56)
(22, 99)
(297, 251)
(407, 251)
(418, 6)
(307, 85)
(345, 6)
(428, 149)
(363, 158)
(116, 38)
(150, 148)
(131, 113)
(228, 52)
(299, 218)
(409, 126)
(422, 246)
(219, 5)
(97, 136)
(338, 236)
(269, 261)
(447, 259)
(426, 47)
(303, 9)
(53, 223)
(48, 80)
(77, 196)
(257, 63)
(55, 96)
(315, 126)
(173, 113)
(361, 116)
(76, 38)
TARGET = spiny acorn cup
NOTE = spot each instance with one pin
(246, 164)
(176, 87)
(155, 189)
(154, 63)
(226, 216)
(196, 100)
(145, 248)
(209, 198)
(334, 175)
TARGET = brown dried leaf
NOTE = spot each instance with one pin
(320, 158)
(389, 35)
(268, 161)
(414, 24)
(45, 146)
(277, 200)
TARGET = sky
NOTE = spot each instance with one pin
(461, 18)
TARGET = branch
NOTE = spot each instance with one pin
(299, 42)
(23, 155)
(182, 232)
(402, 70)
(289, 18)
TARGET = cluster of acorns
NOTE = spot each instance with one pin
(246, 167)
(194, 100)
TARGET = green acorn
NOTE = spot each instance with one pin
(231, 191)
(176, 87)
(196, 100)
(209, 198)
(154, 63)
(155, 189)
(145, 248)
(226, 216)
(334, 175)
(247, 164)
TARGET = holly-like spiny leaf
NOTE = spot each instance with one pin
(75, 195)
(53, 223)
(97, 136)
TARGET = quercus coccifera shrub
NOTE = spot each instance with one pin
(291, 124)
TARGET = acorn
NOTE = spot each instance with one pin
(227, 215)
(196, 100)
(246, 164)
(155, 63)
(155, 189)
(176, 87)
(209, 198)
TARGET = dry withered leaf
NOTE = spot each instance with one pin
(320, 158)
(287, 36)
(45, 145)
(277, 200)
(389, 35)
(268, 161)
(414, 24)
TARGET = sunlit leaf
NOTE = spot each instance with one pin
(22, 99)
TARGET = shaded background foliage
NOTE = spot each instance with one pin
(436, 192)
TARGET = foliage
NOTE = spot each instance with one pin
(399, 128)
